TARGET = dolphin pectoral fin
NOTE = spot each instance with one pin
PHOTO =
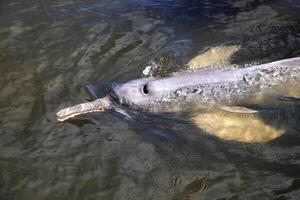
(289, 99)
(238, 109)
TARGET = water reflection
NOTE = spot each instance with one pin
(50, 49)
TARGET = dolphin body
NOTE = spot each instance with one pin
(241, 90)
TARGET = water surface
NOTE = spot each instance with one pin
(50, 49)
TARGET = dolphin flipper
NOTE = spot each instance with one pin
(238, 109)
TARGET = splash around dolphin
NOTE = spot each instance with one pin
(242, 90)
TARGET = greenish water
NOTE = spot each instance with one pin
(49, 50)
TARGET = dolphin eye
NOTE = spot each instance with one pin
(145, 89)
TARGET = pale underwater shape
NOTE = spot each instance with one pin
(215, 56)
(249, 128)
(228, 126)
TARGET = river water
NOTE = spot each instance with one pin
(49, 50)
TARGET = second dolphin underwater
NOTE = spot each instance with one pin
(242, 90)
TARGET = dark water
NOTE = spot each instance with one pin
(50, 49)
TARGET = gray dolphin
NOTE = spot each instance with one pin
(243, 90)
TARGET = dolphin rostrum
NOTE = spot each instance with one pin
(271, 85)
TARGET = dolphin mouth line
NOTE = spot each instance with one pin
(99, 105)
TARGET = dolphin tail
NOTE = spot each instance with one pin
(99, 105)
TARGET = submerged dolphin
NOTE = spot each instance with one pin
(271, 85)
